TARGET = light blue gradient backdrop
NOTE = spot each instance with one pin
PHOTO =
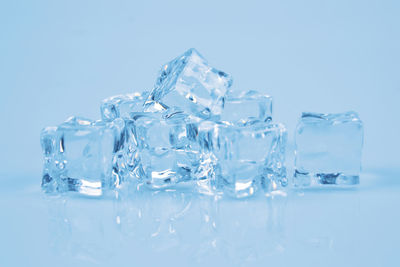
(61, 58)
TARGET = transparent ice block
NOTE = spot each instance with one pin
(328, 149)
(190, 83)
(243, 158)
(121, 106)
(164, 151)
(83, 156)
(247, 108)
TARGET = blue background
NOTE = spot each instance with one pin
(61, 58)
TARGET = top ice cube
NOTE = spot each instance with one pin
(190, 83)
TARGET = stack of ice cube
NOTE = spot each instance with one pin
(190, 130)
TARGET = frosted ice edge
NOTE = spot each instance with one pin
(350, 116)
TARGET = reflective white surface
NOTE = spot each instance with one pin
(337, 227)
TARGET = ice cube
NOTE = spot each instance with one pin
(246, 108)
(248, 157)
(121, 106)
(203, 137)
(328, 149)
(81, 155)
(190, 83)
(165, 155)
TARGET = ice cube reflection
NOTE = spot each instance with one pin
(153, 226)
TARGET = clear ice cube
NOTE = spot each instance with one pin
(203, 138)
(328, 149)
(242, 158)
(81, 155)
(246, 108)
(121, 106)
(190, 83)
(165, 155)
